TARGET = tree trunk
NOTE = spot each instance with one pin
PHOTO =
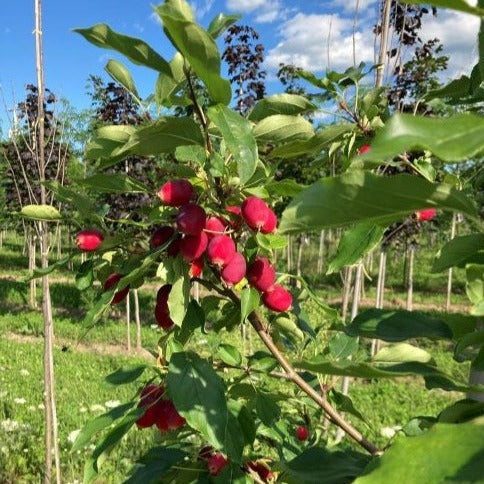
(289, 255)
(51, 429)
(346, 292)
(31, 250)
(321, 252)
(379, 294)
(128, 324)
(345, 384)
(449, 277)
(299, 259)
(411, 257)
(137, 319)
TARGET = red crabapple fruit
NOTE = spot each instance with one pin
(175, 193)
(89, 240)
(220, 250)
(277, 298)
(261, 274)
(234, 270)
(191, 219)
(111, 281)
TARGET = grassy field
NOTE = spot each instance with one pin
(83, 356)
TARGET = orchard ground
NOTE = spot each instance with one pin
(84, 356)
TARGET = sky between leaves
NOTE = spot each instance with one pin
(312, 34)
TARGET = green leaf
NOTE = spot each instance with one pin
(460, 5)
(271, 241)
(91, 468)
(107, 141)
(319, 364)
(125, 374)
(267, 409)
(281, 128)
(163, 136)
(51, 268)
(198, 47)
(285, 188)
(85, 275)
(100, 423)
(445, 453)
(290, 104)
(456, 138)
(121, 75)
(364, 197)
(193, 153)
(460, 251)
(249, 301)
(345, 404)
(154, 464)
(355, 243)
(40, 212)
(229, 354)
(393, 326)
(113, 183)
(245, 418)
(461, 352)
(199, 395)
(220, 23)
(475, 287)
(136, 50)
(314, 144)
(341, 346)
(401, 352)
(237, 134)
(180, 291)
(462, 411)
(319, 465)
(288, 328)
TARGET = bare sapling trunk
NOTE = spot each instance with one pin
(289, 255)
(137, 319)
(299, 258)
(346, 292)
(411, 258)
(379, 294)
(449, 276)
(31, 251)
(321, 253)
(345, 384)
(128, 324)
(51, 432)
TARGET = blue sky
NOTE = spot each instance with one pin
(291, 30)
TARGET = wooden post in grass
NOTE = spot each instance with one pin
(321, 253)
(137, 319)
(380, 288)
(449, 276)
(128, 324)
(345, 384)
(410, 263)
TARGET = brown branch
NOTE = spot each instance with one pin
(293, 376)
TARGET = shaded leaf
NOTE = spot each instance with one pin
(281, 128)
(290, 104)
(364, 197)
(460, 251)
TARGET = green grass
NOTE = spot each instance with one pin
(81, 395)
(79, 375)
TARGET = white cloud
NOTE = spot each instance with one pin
(458, 33)
(201, 8)
(305, 43)
(245, 6)
(349, 6)
(265, 11)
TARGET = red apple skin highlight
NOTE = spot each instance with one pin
(262, 470)
(236, 216)
(161, 235)
(89, 240)
(216, 463)
(196, 268)
(193, 246)
(302, 433)
(215, 226)
(278, 299)
(364, 149)
(191, 219)
(111, 281)
(220, 250)
(425, 215)
(261, 274)
(235, 269)
(270, 224)
(255, 212)
(175, 193)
